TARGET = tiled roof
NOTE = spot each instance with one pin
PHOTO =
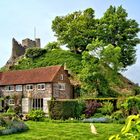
(37, 75)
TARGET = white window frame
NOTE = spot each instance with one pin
(62, 86)
(11, 102)
(29, 89)
(40, 85)
(61, 77)
(9, 88)
(18, 87)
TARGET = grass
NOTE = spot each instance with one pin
(64, 131)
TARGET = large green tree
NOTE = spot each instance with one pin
(97, 61)
(115, 28)
(75, 30)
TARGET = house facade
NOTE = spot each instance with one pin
(31, 89)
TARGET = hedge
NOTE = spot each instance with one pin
(64, 109)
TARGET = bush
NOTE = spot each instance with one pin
(132, 105)
(34, 52)
(107, 108)
(10, 109)
(14, 127)
(65, 109)
(91, 107)
(118, 117)
(36, 115)
(137, 90)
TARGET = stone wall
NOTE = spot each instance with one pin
(19, 49)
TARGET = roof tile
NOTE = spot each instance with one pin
(37, 75)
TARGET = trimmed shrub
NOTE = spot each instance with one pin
(64, 109)
(36, 115)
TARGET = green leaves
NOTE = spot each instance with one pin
(116, 29)
(130, 131)
(75, 30)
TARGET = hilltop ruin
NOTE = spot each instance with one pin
(18, 49)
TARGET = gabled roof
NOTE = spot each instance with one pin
(37, 75)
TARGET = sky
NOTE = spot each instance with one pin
(18, 18)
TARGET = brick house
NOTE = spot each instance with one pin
(32, 88)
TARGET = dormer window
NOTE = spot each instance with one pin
(9, 88)
(61, 77)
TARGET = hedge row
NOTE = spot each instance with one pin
(64, 109)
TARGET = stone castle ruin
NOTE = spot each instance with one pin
(19, 49)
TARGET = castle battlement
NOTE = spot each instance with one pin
(18, 49)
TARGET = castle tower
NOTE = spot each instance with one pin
(37, 41)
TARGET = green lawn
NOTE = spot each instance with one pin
(64, 131)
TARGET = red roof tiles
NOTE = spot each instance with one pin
(37, 75)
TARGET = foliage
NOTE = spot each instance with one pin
(75, 30)
(52, 45)
(107, 55)
(34, 52)
(91, 107)
(36, 115)
(137, 90)
(116, 29)
(14, 127)
(118, 116)
(10, 109)
(65, 109)
(107, 108)
(78, 29)
(54, 57)
(130, 131)
(132, 105)
(95, 67)
(11, 124)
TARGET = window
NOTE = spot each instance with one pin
(61, 86)
(11, 102)
(61, 77)
(9, 88)
(18, 87)
(37, 104)
(29, 87)
(41, 86)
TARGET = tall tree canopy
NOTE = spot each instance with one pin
(116, 29)
(75, 30)
(96, 61)
(78, 29)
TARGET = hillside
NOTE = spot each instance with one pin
(54, 57)
(119, 83)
